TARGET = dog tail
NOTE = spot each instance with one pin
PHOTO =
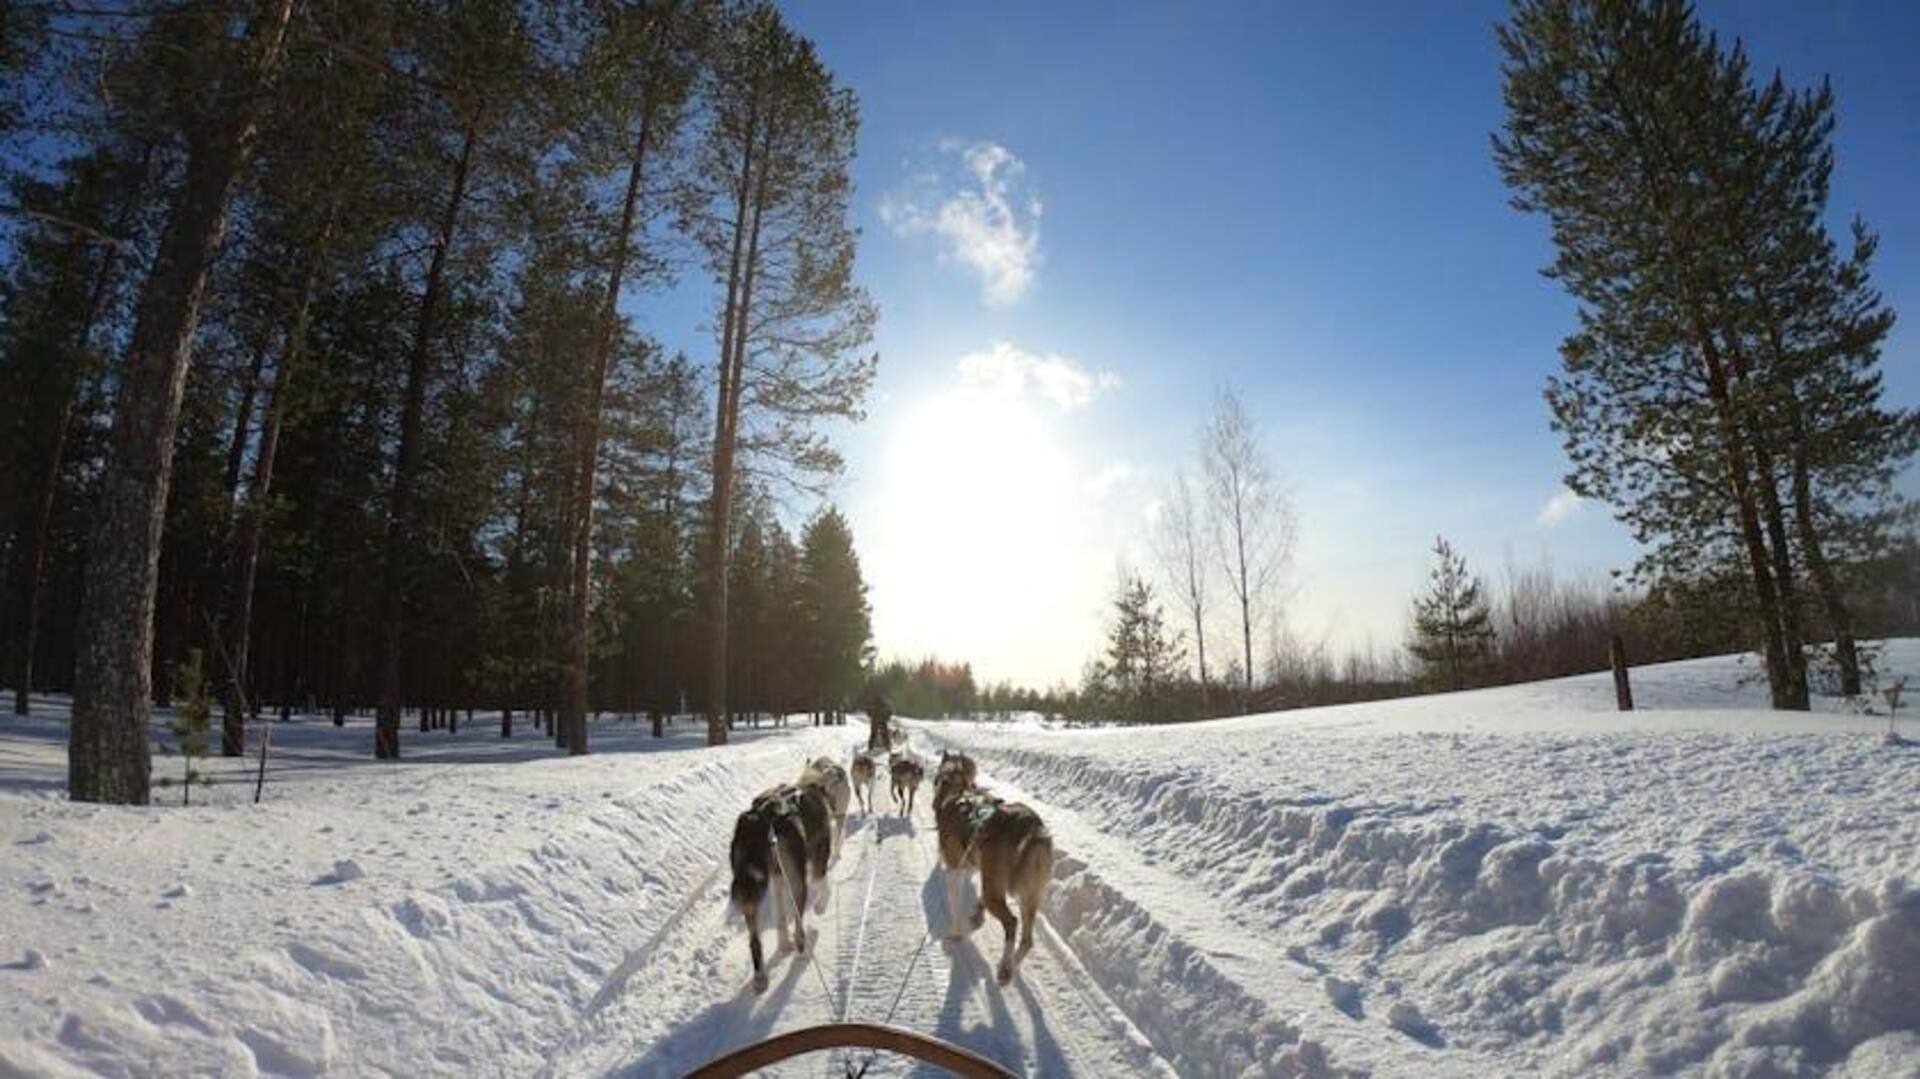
(1033, 869)
(750, 855)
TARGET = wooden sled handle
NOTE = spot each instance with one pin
(851, 1036)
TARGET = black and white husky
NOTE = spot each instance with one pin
(782, 846)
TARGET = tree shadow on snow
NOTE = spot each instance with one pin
(747, 1017)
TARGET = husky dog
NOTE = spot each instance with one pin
(863, 772)
(781, 847)
(897, 740)
(832, 781)
(1010, 846)
(952, 764)
(906, 772)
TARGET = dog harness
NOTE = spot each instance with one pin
(983, 811)
(783, 803)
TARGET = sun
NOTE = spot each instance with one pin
(978, 548)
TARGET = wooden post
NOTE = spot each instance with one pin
(1622, 689)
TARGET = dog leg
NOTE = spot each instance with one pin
(752, 913)
(800, 918)
(996, 901)
(1029, 913)
(953, 904)
(778, 882)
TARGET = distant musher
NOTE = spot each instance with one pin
(879, 715)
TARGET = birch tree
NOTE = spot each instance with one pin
(1253, 523)
(1180, 546)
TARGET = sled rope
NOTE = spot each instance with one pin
(907, 979)
(793, 893)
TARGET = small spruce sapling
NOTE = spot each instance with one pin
(191, 723)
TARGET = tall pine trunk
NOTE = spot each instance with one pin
(243, 416)
(1793, 635)
(578, 663)
(394, 605)
(733, 321)
(1740, 482)
(1846, 653)
(35, 526)
(233, 727)
(108, 757)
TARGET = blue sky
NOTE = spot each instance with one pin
(1116, 208)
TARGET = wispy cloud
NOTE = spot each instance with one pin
(1562, 505)
(1011, 369)
(975, 198)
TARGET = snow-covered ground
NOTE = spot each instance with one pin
(1500, 881)
(1506, 881)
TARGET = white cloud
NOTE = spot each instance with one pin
(977, 201)
(1009, 369)
(1562, 505)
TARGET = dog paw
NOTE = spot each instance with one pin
(1004, 974)
(760, 982)
(785, 945)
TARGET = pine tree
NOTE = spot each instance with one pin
(1636, 135)
(837, 622)
(55, 304)
(769, 209)
(478, 57)
(1143, 658)
(1452, 625)
(639, 74)
(108, 756)
(316, 205)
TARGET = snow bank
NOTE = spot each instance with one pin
(458, 913)
(1497, 878)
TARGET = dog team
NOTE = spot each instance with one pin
(786, 842)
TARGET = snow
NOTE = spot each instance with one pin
(1505, 881)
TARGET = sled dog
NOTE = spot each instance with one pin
(781, 847)
(906, 772)
(823, 773)
(862, 773)
(1010, 846)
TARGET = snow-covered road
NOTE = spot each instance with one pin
(879, 955)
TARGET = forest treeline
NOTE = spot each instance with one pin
(334, 337)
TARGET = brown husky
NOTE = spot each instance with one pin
(781, 845)
(954, 765)
(863, 772)
(1006, 841)
(906, 773)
